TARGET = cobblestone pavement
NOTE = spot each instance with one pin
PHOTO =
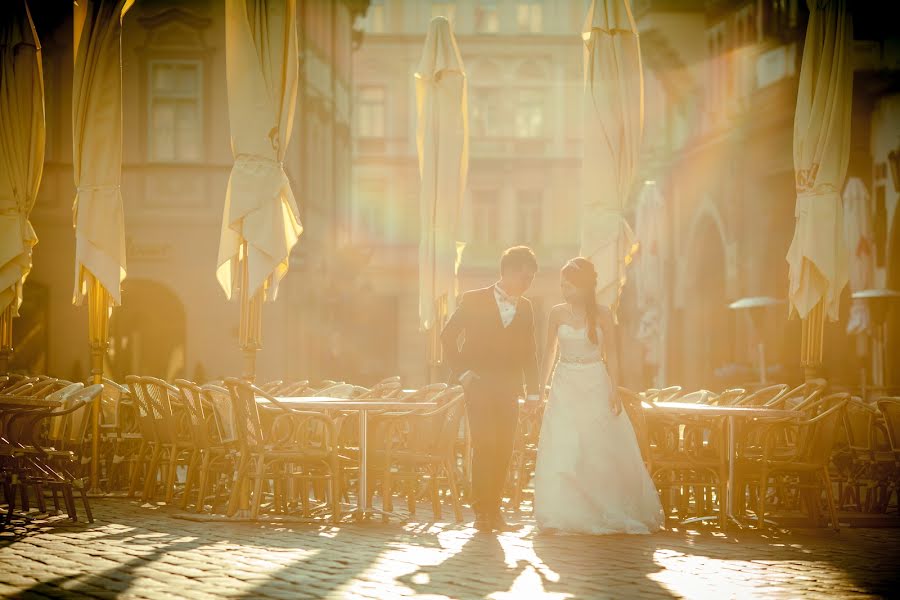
(146, 552)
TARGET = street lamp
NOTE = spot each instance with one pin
(756, 308)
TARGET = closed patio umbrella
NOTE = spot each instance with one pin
(261, 221)
(861, 246)
(649, 280)
(442, 142)
(21, 160)
(97, 162)
(613, 113)
(817, 256)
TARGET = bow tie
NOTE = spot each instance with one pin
(503, 295)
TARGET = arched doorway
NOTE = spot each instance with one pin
(147, 333)
(707, 331)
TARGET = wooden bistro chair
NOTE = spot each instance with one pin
(295, 447)
(803, 464)
(416, 448)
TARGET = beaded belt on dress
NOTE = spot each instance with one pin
(585, 360)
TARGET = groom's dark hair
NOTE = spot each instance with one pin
(518, 257)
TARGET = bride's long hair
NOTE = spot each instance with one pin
(581, 273)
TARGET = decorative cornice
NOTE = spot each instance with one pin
(175, 15)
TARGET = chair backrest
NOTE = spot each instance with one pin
(111, 404)
(423, 394)
(248, 424)
(56, 425)
(890, 409)
(340, 390)
(860, 421)
(386, 388)
(219, 399)
(802, 394)
(698, 397)
(192, 397)
(729, 397)
(815, 405)
(146, 410)
(80, 420)
(634, 407)
(666, 394)
(294, 388)
(817, 436)
(271, 386)
(764, 395)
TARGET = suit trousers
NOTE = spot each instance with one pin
(493, 418)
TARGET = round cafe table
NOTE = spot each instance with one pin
(362, 407)
(731, 415)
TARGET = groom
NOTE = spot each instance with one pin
(490, 347)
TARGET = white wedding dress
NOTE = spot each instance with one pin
(590, 477)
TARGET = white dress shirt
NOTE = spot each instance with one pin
(507, 305)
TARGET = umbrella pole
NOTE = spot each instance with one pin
(251, 319)
(812, 342)
(98, 326)
(435, 351)
(6, 347)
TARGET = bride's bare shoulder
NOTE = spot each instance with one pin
(558, 314)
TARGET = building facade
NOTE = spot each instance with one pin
(523, 66)
(174, 319)
(720, 93)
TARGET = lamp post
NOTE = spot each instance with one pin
(756, 308)
(879, 302)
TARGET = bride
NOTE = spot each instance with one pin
(590, 477)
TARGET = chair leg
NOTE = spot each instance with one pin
(454, 491)
(238, 486)
(87, 505)
(136, 469)
(763, 492)
(829, 495)
(150, 476)
(204, 475)
(171, 474)
(337, 476)
(191, 476)
(257, 487)
(9, 490)
(387, 492)
(435, 496)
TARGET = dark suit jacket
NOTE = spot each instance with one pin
(503, 357)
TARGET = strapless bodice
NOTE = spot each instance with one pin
(576, 348)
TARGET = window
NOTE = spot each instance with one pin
(369, 213)
(487, 112)
(370, 112)
(528, 218)
(175, 132)
(485, 216)
(530, 114)
(375, 17)
(444, 9)
(486, 17)
(529, 17)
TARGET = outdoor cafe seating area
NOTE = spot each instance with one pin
(299, 449)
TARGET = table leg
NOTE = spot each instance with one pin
(363, 509)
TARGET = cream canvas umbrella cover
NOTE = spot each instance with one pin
(613, 113)
(861, 247)
(818, 255)
(261, 217)
(22, 159)
(97, 147)
(649, 275)
(442, 141)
